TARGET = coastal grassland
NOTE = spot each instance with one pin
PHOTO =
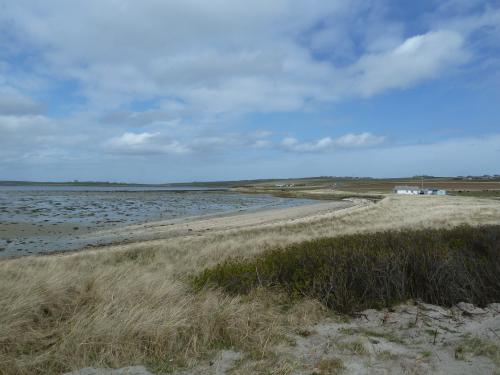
(374, 270)
(133, 303)
(370, 185)
(495, 194)
(318, 193)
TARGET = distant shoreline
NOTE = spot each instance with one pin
(110, 188)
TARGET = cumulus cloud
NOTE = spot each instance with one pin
(329, 144)
(359, 140)
(417, 58)
(224, 57)
(144, 144)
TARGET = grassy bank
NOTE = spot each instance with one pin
(318, 193)
(350, 273)
(321, 195)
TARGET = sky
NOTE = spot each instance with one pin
(194, 90)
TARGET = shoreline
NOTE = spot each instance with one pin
(71, 224)
(193, 226)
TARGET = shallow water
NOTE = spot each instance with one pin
(41, 220)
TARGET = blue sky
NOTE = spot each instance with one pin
(163, 91)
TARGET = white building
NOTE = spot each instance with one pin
(407, 190)
(414, 190)
(433, 192)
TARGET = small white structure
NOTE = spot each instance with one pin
(414, 190)
(407, 190)
(434, 192)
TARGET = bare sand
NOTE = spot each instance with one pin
(199, 225)
(412, 338)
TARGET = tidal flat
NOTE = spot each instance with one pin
(48, 219)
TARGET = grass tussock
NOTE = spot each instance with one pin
(329, 366)
(349, 273)
(477, 346)
(81, 322)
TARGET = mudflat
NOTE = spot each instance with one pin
(49, 219)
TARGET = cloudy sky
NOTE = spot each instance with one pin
(163, 91)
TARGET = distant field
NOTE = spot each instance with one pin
(364, 184)
(478, 193)
(452, 185)
(338, 188)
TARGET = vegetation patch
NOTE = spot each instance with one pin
(329, 366)
(355, 272)
(324, 196)
(477, 346)
(353, 347)
(485, 193)
(384, 334)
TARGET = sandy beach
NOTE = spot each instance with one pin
(220, 223)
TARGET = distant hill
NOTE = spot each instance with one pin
(68, 183)
(302, 181)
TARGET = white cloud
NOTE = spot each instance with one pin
(174, 78)
(137, 119)
(226, 57)
(132, 139)
(145, 144)
(359, 140)
(417, 58)
(329, 144)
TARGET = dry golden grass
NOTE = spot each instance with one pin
(131, 304)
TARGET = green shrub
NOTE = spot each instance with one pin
(348, 273)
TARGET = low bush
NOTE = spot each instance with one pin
(351, 273)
